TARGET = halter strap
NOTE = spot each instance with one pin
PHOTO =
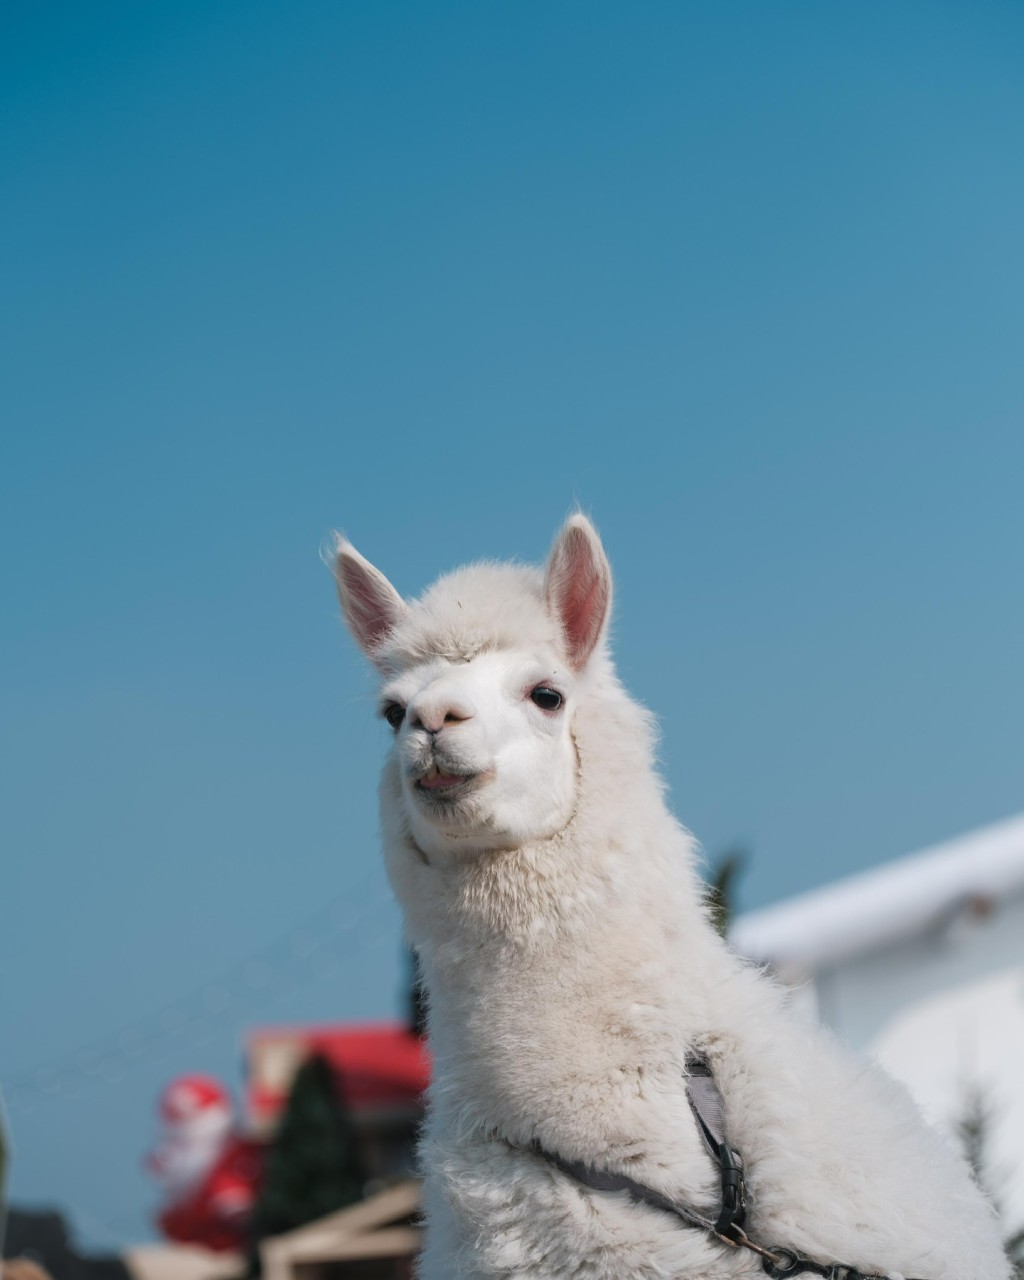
(724, 1223)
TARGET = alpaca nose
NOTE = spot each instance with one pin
(433, 715)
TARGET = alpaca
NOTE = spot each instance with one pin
(572, 972)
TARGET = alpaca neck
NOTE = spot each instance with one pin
(593, 917)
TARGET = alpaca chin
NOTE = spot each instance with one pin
(476, 818)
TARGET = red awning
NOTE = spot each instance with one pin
(379, 1065)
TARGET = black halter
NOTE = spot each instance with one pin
(725, 1222)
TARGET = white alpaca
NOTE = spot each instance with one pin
(571, 970)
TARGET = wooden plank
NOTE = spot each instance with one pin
(361, 1226)
(391, 1242)
(396, 1202)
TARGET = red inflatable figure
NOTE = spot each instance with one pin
(209, 1172)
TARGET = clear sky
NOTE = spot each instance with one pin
(744, 280)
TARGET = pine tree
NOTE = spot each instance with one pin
(722, 889)
(313, 1165)
(416, 997)
(974, 1127)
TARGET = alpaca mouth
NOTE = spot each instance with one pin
(440, 783)
(438, 778)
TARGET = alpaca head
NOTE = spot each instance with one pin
(480, 679)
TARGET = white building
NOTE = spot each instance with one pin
(921, 963)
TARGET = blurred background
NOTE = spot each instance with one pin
(744, 281)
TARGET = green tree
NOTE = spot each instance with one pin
(974, 1129)
(313, 1163)
(721, 889)
(416, 998)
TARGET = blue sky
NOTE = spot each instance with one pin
(743, 280)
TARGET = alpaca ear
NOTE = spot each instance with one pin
(578, 585)
(371, 605)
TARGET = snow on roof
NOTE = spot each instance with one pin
(876, 908)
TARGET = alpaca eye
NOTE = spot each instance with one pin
(545, 698)
(394, 714)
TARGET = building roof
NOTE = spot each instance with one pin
(379, 1065)
(887, 905)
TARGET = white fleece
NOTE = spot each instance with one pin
(570, 968)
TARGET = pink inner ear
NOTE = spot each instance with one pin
(369, 603)
(579, 591)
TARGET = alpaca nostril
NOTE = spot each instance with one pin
(433, 721)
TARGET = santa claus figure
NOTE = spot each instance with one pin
(210, 1174)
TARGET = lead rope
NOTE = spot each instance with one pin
(709, 1112)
